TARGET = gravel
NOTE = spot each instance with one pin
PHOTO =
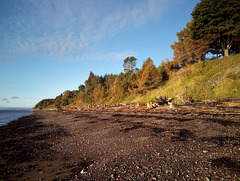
(159, 144)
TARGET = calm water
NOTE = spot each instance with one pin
(7, 115)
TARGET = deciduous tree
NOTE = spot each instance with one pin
(129, 64)
(188, 50)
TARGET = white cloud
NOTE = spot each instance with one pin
(50, 45)
(70, 28)
(113, 56)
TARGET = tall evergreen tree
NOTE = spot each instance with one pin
(148, 77)
(219, 21)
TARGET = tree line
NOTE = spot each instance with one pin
(214, 31)
(112, 87)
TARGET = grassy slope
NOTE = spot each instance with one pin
(218, 78)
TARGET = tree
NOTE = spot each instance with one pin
(109, 79)
(81, 88)
(148, 77)
(91, 75)
(129, 64)
(116, 90)
(45, 103)
(92, 82)
(219, 21)
(58, 101)
(68, 97)
(187, 50)
(98, 93)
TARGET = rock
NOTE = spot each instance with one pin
(83, 172)
(208, 178)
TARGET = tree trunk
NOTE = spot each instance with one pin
(226, 46)
(226, 52)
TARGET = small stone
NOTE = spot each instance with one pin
(83, 172)
(208, 178)
(205, 151)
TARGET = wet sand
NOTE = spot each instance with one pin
(122, 145)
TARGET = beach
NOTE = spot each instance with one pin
(107, 144)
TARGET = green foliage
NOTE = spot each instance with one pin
(69, 97)
(44, 103)
(92, 85)
(123, 84)
(218, 21)
(109, 79)
(129, 64)
(81, 88)
(65, 99)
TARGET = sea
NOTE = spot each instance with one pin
(10, 114)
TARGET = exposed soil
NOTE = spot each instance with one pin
(123, 144)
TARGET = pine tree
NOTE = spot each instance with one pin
(218, 20)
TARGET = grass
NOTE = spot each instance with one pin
(218, 78)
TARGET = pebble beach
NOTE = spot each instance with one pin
(122, 145)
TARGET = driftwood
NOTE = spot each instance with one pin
(151, 105)
(163, 101)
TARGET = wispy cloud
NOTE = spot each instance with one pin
(14, 97)
(7, 100)
(112, 56)
(69, 28)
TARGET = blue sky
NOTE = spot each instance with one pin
(49, 46)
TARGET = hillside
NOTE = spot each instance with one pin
(218, 78)
(212, 79)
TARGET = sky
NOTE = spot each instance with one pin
(49, 46)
